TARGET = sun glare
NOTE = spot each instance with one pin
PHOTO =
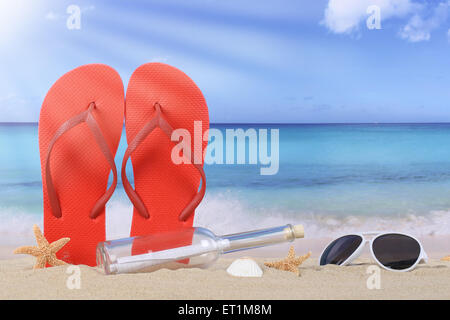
(14, 19)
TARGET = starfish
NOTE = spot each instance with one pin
(290, 263)
(44, 252)
(447, 258)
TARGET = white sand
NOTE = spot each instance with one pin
(19, 281)
(432, 281)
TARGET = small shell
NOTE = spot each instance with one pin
(245, 267)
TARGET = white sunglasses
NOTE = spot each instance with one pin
(393, 251)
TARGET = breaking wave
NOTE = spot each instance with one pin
(224, 214)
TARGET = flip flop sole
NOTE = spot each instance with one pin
(165, 187)
(78, 167)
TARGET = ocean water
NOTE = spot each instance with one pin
(331, 178)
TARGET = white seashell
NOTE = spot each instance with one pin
(245, 267)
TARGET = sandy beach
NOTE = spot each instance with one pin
(19, 281)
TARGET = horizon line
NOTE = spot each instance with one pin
(269, 123)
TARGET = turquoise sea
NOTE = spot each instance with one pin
(332, 178)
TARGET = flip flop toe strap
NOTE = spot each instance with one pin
(88, 118)
(158, 121)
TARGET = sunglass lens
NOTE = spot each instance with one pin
(340, 250)
(396, 251)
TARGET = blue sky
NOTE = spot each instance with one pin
(254, 60)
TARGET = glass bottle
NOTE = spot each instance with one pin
(190, 247)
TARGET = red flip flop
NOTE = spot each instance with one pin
(159, 100)
(80, 126)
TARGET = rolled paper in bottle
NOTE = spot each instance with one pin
(169, 250)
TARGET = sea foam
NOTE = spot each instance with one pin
(224, 214)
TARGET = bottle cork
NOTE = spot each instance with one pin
(293, 232)
(299, 231)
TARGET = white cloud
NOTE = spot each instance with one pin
(88, 8)
(7, 97)
(18, 109)
(345, 16)
(419, 28)
(52, 16)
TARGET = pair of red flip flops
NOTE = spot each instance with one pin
(80, 126)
